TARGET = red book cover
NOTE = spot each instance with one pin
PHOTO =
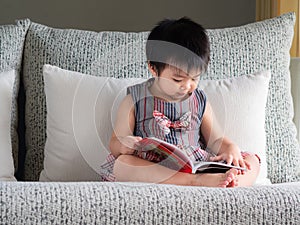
(173, 157)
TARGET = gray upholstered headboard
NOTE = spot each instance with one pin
(295, 85)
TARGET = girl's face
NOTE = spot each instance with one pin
(173, 84)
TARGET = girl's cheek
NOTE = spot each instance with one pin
(194, 86)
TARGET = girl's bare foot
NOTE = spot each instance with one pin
(234, 182)
(223, 180)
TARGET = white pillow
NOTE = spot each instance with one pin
(239, 108)
(81, 110)
(6, 160)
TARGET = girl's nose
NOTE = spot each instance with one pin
(186, 85)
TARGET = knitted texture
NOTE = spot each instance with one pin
(113, 54)
(129, 203)
(257, 47)
(234, 51)
(12, 38)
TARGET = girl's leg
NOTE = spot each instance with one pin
(132, 168)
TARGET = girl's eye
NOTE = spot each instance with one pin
(177, 80)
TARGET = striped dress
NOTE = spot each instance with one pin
(146, 125)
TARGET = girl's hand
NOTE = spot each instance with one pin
(128, 144)
(232, 155)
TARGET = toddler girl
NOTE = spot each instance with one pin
(169, 106)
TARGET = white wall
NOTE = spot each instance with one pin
(126, 15)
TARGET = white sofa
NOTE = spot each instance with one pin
(76, 195)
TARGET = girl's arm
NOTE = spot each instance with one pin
(122, 140)
(224, 148)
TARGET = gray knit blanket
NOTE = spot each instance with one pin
(143, 203)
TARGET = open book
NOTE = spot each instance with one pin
(172, 157)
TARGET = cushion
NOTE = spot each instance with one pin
(12, 39)
(80, 114)
(83, 51)
(238, 106)
(234, 51)
(81, 110)
(254, 47)
(6, 92)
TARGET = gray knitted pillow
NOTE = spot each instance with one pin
(256, 47)
(235, 51)
(12, 39)
(113, 54)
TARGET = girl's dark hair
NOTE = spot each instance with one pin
(182, 43)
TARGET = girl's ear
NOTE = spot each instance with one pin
(152, 69)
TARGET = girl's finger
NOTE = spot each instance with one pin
(242, 163)
(248, 166)
(229, 159)
(216, 158)
(235, 162)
